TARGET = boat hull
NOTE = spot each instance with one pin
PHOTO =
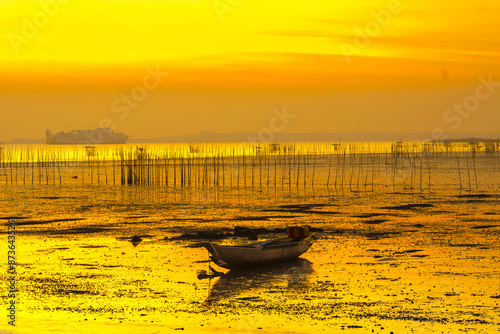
(232, 257)
(85, 141)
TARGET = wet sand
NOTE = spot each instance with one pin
(381, 261)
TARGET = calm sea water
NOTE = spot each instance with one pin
(406, 244)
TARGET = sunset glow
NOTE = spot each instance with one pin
(240, 46)
(250, 166)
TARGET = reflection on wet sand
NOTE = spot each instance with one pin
(284, 278)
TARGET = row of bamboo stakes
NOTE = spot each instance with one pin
(405, 165)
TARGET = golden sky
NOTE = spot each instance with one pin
(230, 62)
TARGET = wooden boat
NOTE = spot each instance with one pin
(256, 254)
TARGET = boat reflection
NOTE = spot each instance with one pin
(282, 278)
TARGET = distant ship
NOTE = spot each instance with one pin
(92, 137)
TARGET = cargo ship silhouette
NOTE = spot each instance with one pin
(94, 137)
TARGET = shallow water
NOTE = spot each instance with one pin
(376, 265)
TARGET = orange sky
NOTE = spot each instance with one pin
(230, 62)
